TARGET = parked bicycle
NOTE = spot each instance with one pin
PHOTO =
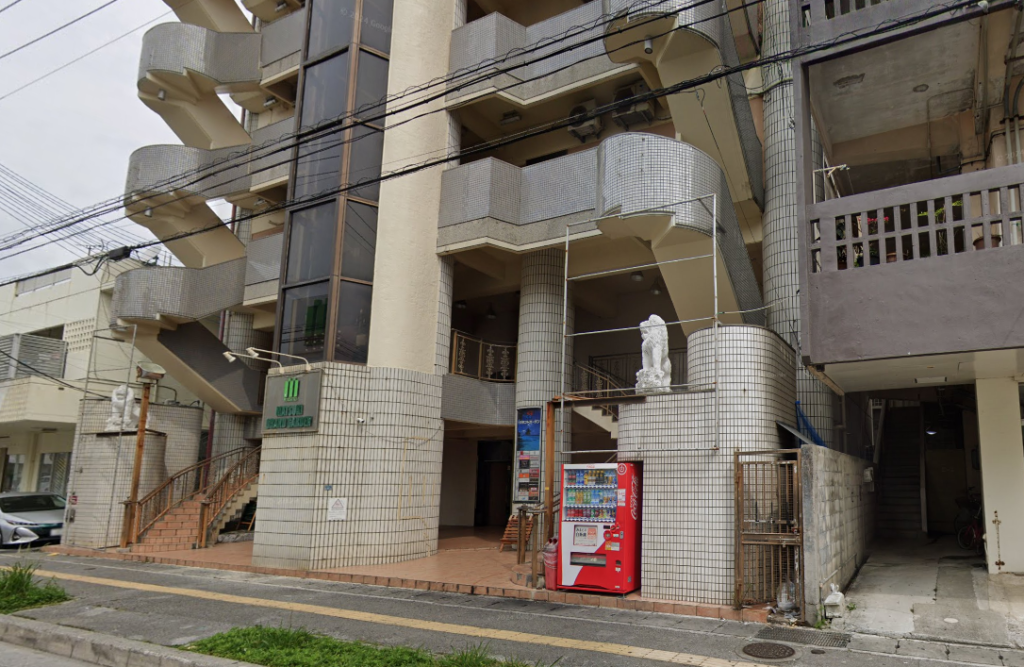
(969, 505)
(971, 536)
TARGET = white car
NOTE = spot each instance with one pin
(30, 518)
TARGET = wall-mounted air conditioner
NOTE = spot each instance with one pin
(637, 113)
(585, 126)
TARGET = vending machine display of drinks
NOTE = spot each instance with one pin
(599, 539)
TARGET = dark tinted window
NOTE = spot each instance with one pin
(311, 246)
(40, 503)
(326, 92)
(365, 162)
(319, 166)
(377, 24)
(371, 87)
(330, 25)
(304, 323)
(353, 338)
(360, 241)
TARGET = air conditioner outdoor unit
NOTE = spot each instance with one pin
(636, 113)
(588, 127)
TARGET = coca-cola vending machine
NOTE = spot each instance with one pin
(599, 541)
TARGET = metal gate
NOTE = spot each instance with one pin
(769, 530)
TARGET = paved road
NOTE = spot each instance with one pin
(174, 605)
(16, 656)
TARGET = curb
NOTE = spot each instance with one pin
(100, 649)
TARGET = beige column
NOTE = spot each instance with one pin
(1002, 473)
(406, 275)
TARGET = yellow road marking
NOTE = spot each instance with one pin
(414, 623)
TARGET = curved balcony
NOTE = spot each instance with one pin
(715, 118)
(165, 304)
(161, 193)
(632, 180)
(183, 68)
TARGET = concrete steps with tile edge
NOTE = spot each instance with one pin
(234, 509)
(898, 510)
(174, 531)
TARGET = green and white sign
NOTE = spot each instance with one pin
(292, 404)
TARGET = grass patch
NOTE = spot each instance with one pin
(19, 590)
(281, 647)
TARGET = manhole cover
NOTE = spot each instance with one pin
(804, 636)
(768, 651)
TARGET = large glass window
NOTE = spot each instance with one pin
(331, 24)
(14, 469)
(54, 469)
(351, 342)
(311, 243)
(377, 24)
(304, 321)
(371, 87)
(364, 162)
(319, 166)
(325, 92)
(360, 242)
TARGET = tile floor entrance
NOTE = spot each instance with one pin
(932, 589)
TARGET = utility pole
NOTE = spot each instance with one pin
(148, 373)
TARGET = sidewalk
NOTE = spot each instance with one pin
(170, 605)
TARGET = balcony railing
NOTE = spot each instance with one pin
(922, 221)
(483, 360)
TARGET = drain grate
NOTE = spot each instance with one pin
(768, 651)
(804, 636)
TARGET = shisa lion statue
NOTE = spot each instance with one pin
(656, 374)
(124, 414)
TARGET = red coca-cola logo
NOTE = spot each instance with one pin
(634, 499)
(622, 468)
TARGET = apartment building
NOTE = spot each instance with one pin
(427, 273)
(55, 348)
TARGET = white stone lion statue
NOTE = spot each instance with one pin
(656, 374)
(124, 414)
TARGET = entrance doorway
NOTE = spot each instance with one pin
(493, 483)
(476, 491)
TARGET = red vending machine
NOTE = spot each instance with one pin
(599, 541)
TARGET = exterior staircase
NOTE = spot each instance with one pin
(191, 505)
(590, 383)
(899, 484)
(174, 531)
(602, 416)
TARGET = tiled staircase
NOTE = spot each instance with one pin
(899, 487)
(176, 530)
(235, 508)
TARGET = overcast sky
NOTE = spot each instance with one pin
(72, 133)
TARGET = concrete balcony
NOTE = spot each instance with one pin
(634, 182)
(717, 119)
(272, 10)
(826, 20)
(165, 192)
(165, 304)
(490, 38)
(183, 68)
(36, 402)
(918, 281)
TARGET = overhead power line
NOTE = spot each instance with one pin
(79, 58)
(715, 75)
(4, 9)
(308, 133)
(50, 377)
(331, 126)
(55, 30)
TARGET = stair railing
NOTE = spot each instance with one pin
(481, 359)
(220, 494)
(183, 485)
(590, 382)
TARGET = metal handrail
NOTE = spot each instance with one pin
(481, 359)
(220, 494)
(595, 383)
(183, 485)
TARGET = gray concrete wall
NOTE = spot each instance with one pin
(839, 511)
(963, 302)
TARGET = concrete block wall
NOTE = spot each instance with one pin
(387, 467)
(839, 512)
(688, 547)
(101, 467)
